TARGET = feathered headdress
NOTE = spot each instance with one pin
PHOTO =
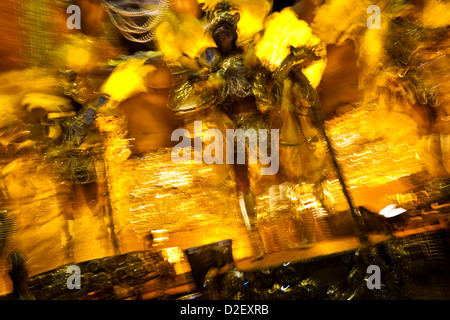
(247, 15)
(223, 13)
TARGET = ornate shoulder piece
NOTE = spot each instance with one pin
(210, 58)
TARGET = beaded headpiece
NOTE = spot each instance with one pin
(223, 14)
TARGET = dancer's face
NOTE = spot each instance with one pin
(224, 37)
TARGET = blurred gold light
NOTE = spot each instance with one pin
(272, 49)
